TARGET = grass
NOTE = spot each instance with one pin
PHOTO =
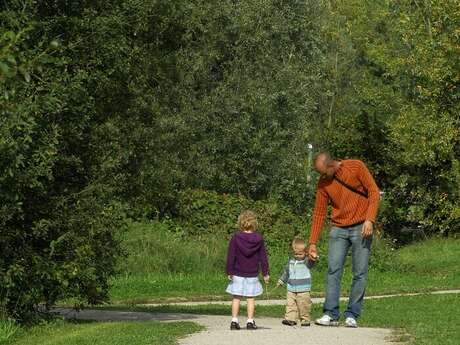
(164, 266)
(8, 329)
(164, 287)
(419, 320)
(105, 333)
(429, 320)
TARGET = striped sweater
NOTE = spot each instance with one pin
(297, 275)
(348, 207)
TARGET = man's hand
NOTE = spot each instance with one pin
(266, 279)
(230, 277)
(368, 228)
(312, 252)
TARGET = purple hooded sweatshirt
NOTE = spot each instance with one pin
(246, 252)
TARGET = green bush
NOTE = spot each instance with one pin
(57, 221)
(202, 213)
(71, 253)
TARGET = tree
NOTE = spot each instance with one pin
(58, 223)
(392, 99)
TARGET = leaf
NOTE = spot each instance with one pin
(6, 70)
(11, 59)
(9, 35)
(54, 44)
(25, 73)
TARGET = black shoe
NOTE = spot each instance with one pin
(289, 323)
(305, 323)
(251, 325)
(234, 326)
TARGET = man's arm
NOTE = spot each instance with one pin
(373, 191)
(319, 214)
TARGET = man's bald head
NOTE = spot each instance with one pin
(324, 164)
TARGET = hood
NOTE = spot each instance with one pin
(305, 260)
(248, 242)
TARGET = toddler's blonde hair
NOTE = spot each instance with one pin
(247, 221)
(298, 242)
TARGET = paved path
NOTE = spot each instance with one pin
(270, 332)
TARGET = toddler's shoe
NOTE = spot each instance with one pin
(234, 326)
(305, 323)
(288, 322)
(251, 325)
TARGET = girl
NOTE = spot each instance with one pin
(246, 254)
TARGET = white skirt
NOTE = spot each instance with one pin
(245, 286)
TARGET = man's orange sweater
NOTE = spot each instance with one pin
(348, 207)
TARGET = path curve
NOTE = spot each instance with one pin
(270, 332)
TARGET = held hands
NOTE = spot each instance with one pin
(312, 252)
(230, 277)
(368, 228)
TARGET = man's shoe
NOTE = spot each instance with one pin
(234, 326)
(326, 320)
(351, 322)
(305, 323)
(251, 325)
(288, 322)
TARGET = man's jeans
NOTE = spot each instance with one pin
(340, 240)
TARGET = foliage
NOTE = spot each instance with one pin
(225, 103)
(186, 94)
(203, 212)
(57, 221)
(424, 134)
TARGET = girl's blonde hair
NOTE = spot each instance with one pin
(247, 221)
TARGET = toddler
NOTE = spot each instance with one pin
(246, 256)
(297, 276)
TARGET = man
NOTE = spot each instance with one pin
(351, 190)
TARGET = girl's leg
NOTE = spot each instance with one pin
(251, 305)
(236, 306)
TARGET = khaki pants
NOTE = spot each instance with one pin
(298, 306)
